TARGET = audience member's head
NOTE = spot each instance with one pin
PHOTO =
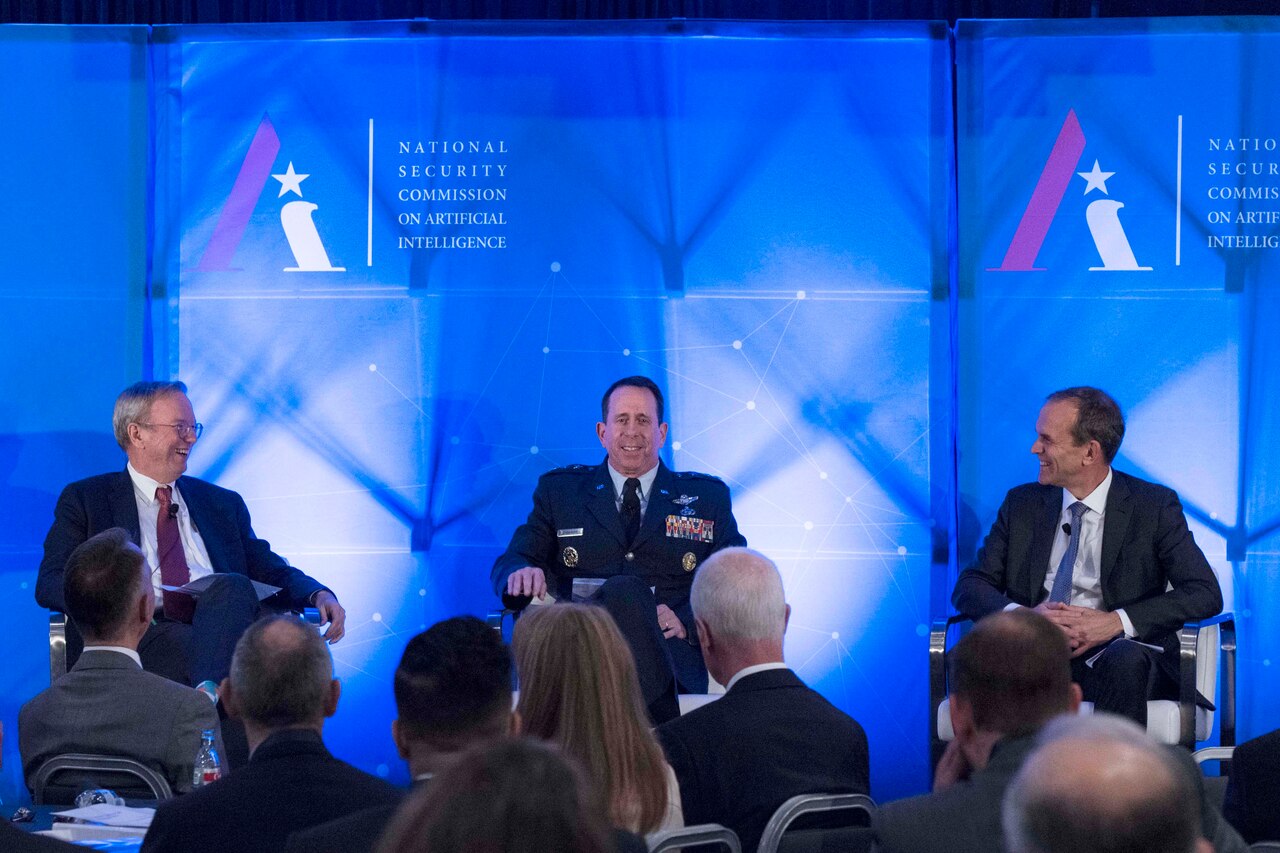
(1010, 675)
(107, 590)
(281, 678)
(1099, 784)
(579, 689)
(740, 611)
(512, 796)
(453, 689)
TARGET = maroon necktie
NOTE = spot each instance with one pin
(178, 606)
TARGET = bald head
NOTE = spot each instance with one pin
(1098, 784)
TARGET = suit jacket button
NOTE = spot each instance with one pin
(630, 556)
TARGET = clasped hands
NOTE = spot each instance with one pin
(532, 581)
(1084, 627)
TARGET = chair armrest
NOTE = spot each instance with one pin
(938, 676)
(57, 645)
(689, 836)
(1188, 640)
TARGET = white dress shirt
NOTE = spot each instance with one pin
(620, 482)
(144, 492)
(123, 650)
(1086, 578)
(752, 670)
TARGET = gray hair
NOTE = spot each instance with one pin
(1099, 784)
(281, 671)
(738, 593)
(133, 406)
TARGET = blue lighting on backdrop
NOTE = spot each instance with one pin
(397, 264)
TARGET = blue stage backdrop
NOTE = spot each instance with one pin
(408, 259)
(1119, 192)
(72, 291)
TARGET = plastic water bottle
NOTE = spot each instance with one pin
(208, 767)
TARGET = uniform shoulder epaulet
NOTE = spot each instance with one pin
(570, 469)
(697, 475)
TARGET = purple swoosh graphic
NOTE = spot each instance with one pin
(1044, 202)
(234, 218)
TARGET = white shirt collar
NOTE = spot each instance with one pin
(620, 480)
(752, 670)
(1095, 500)
(145, 485)
(124, 650)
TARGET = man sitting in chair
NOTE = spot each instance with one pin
(107, 704)
(1104, 556)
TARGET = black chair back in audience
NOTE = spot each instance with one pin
(703, 838)
(820, 823)
(62, 777)
(1265, 847)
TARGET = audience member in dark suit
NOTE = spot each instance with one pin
(1009, 676)
(1096, 784)
(770, 737)
(453, 690)
(1253, 789)
(517, 796)
(187, 529)
(282, 687)
(1105, 556)
(107, 704)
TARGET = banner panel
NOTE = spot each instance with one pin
(411, 257)
(73, 297)
(1120, 202)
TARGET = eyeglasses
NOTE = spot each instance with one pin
(183, 430)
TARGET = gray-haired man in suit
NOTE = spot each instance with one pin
(107, 704)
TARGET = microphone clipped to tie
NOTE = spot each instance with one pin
(1066, 527)
(173, 510)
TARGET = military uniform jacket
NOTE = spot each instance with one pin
(574, 530)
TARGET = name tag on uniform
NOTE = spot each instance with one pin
(686, 527)
(569, 531)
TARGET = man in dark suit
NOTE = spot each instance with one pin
(107, 704)
(770, 737)
(453, 691)
(1105, 556)
(282, 687)
(1253, 789)
(635, 523)
(1009, 676)
(187, 529)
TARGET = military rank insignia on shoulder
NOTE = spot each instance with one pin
(570, 469)
(697, 475)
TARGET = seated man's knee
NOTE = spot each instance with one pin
(231, 585)
(628, 587)
(1126, 660)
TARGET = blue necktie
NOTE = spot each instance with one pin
(1062, 580)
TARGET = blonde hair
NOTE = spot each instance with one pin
(579, 689)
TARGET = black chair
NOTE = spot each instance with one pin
(820, 823)
(1207, 662)
(58, 780)
(703, 836)
(1265, 847)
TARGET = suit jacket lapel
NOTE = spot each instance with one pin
(600, 501)
(1115, 524)
(206, 522)
(655, 516)
(1046, 528)
(124, 506)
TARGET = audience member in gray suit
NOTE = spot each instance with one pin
(770, 737)
(453, 691)
(1099, 784)
(1009, 676)
(107, 704)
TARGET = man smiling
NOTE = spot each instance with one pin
(187, 529)
(640, 527)
(1104, 556)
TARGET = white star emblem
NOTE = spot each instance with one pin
(291, 181)
(1096, 179)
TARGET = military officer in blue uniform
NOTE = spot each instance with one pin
(638, 525)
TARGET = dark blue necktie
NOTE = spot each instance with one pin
(1062, 580)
